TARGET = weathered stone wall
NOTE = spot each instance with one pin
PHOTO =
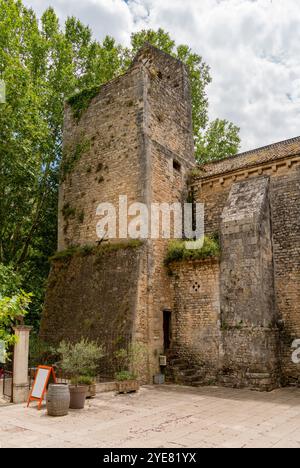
(104, 157)
(196, 330)
(247, 277)
(248, 315)
(285, 204)
(169, 143)
(92, 295)
(250, 358)
(109, 160)
(212, 188)
(136, 140)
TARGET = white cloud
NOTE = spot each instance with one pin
(253, 48)
(105, 17)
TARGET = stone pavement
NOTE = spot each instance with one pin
(165, 416)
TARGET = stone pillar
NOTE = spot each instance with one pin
(250, 334)
(20, 369)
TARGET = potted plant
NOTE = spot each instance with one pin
(79, 360)
(130, 362)
(91, 384)
(127, 382)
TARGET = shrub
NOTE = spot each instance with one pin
(79, 102)
(125, 375)
(177, 250)
(12, 309)
(82, 380)
(131, 362)
(80, 359)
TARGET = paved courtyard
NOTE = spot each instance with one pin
(166, 416)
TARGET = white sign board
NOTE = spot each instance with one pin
(39, 387)
(41, 379)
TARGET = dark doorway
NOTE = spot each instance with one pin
(167, 329)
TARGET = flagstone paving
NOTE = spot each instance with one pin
(165, 416)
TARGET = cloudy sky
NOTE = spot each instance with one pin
(252, 47)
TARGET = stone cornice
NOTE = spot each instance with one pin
(267, 168)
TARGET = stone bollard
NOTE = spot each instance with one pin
(20, 367)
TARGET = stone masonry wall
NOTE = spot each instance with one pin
(248, 315)
(247, 278)
(169, 150)
(196, 331)
(92, 296)
(136, 140)
(110, 162)
(285, 204)
(284, 196)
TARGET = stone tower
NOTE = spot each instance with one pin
(132, 136)
(229, 317)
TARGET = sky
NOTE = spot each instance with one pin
(252, 47)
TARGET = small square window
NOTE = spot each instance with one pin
(176, 165)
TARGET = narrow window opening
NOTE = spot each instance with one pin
(176, 165)
(167, 329)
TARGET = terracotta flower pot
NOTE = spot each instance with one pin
(77, 396)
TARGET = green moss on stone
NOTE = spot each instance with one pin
(72, 156)
(98, 250)
(80, 217)
(68, 211)
(79, 102)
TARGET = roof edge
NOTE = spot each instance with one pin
(253, 151)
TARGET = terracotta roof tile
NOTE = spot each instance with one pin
(251, 158)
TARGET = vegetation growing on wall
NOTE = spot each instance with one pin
(72, 156)
(68, 211)
(79, 102)
(98, 250)
(177, 251)
(80, 216)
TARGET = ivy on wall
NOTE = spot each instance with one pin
(72, 155)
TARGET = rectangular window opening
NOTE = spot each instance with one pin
(176, 165)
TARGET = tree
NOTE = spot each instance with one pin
(14, 303)
(42, 64)
(220, 140)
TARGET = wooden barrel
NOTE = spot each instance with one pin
(58, 400)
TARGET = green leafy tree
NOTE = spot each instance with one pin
(10, 281)
(14, 303)
(220, 140)
(42, 64)
(12, 309)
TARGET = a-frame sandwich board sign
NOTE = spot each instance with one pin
(40, 383)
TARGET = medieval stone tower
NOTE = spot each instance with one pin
(228, 319)
(135, 139)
